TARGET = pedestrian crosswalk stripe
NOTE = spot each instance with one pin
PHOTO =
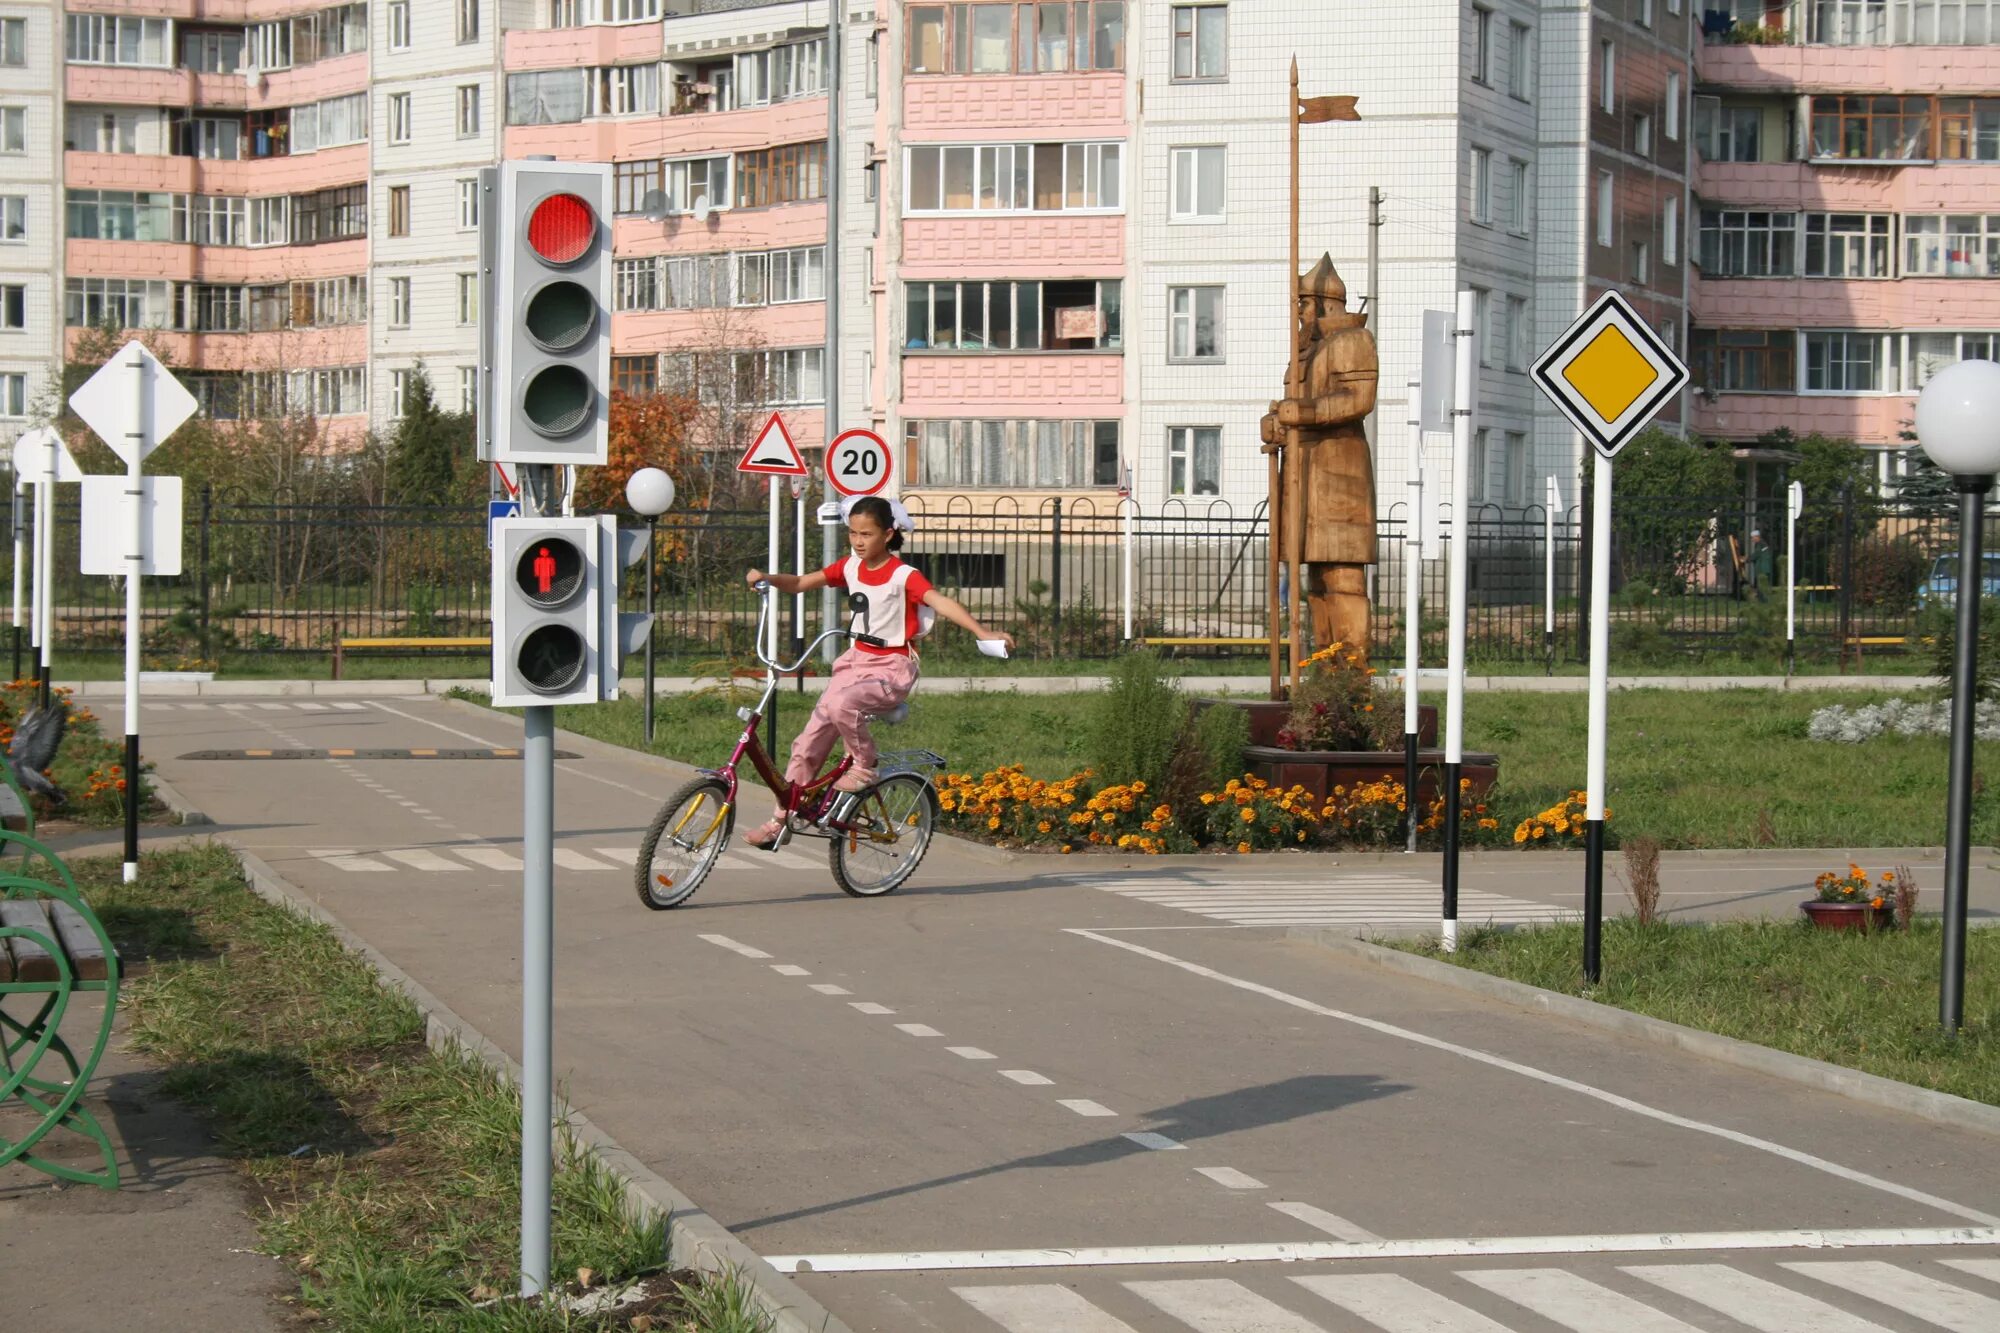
(1761, 1304)
(1398, 1305)
(1575, 1302)
(1986, 1268)
(276, 708)
(1040, 1308)
(416, 858)
(349, 861)
(1327, 900)
(438, 860)
(493, 858)
(1945, 1304)
(1218, 1305)
(568, 858)
(312, 708)
(351, 707)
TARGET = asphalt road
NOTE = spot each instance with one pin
(1085, 1095)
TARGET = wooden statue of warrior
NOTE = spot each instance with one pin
(1327, 518)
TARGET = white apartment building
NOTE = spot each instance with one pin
(31, 214)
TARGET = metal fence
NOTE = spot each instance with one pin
(1068, 578)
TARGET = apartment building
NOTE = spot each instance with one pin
(31, 72)
(1849, 163)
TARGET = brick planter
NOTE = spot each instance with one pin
(1268, 716)
(1320, 771)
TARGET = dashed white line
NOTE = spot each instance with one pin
(1084, 1106)
(789, 970)
(1145, 1138)
(918, 1030)
(971, 1053)
(870, 1007)
(1229, 1177)
(828, 988)
(1027, 1078)
(734, 946)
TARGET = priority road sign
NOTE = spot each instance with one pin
(858, 462)
(133, 400)
(773, 453)
(1609, 373)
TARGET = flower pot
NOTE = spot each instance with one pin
(1267, 717)
(1320, 771)
(1848, 916)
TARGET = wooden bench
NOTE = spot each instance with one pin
(343, 645)
(52, 947)
(1859, 641)
(1204, 641)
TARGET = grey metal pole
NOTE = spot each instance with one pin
(829, 533)
(538, 912)
(652, 537)
(1958, 807)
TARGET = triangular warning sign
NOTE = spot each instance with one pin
(773, 453)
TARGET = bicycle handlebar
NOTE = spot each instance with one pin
(764, 591)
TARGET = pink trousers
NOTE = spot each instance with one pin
(863, 684)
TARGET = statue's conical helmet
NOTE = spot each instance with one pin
(1323, 281)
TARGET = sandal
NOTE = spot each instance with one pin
(855, 779)
(765, 835)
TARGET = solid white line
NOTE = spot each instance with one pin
(1145, 1138)
(1395, 1304)
(349, 861)
(1086, 1256)
(416, 858)
(789, 970)
(734, 946)
(1025, 1077)
(490, 857)
(1218, 1305)
(1085, 1106)
(870, 1007)
(918, 1030)
(971, 1053)
(1575, 1302)
(1942, 1303)
(1229, 1177)
(1557, 1080)
(568, 858)
(1042, 1308)
(828, 988)
(1986, 1268)
(1762, 1305)
(1319, 1219)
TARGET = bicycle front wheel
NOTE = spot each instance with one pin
(889, 830)
(687, 838)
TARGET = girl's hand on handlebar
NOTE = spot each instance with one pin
(755, 578)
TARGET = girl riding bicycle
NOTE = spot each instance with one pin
(867, 680)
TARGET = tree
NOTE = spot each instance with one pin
(1667, 491)
(649, 431)
(1925, 488)
(428, 447)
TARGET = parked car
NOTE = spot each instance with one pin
(1941, 588)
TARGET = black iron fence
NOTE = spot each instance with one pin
(1068, 578)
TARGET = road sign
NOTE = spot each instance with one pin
(133, 400)
(1609, 373)
(858, 462)
(33, 462)
(498, 509)
(1440, 370)
(107, 526)
(773, 453)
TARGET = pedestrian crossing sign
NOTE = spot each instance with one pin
(1609, 373)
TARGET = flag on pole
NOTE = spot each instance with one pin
(1319, 110)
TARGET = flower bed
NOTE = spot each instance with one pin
(89, 768)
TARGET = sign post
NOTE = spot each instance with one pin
(1551, 505)
(1413, 624)
(19, 482)
(1464, 398)
(1609, 374)
(1795, 505)
(773, 455)
(133, 403)
(40, 461)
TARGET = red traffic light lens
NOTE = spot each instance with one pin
(562, 229)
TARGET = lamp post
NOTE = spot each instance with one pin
(1958, 425)
(650, 492)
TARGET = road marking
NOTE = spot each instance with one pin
(408, 804)
(1761, 1304)
(753, 858)
(1575, 1302)
(971, 1053)
(1042, 1308)
(276, 708)
(1459, 1247)
(1557, 1080)
(1986, 1268)
(918, 1029)
(197, 708)
(417, 858)
(568, 858)
(827, 988)
(1333, 1224)
(1942, 1303)
(490, 857)
(1025, 1077)
(870, 1007)
(1085, 1106)
(623, 856)
(1338, 899)
(1229, 1177)
(237, 708)
(734, 946)
(1146, 1138)
(349, 861)
(1397, 1305)
(311, 707)
(351, 707)
(1218, 1305)
(789, 970)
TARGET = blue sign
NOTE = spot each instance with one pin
(499, 509)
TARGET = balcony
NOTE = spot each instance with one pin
(1849, 23)
(961, 107)
(1004, 245)
(1021, 384)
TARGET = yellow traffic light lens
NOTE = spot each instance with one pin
(560, 315)
(558, 400)
(549, 571)
(550, 659)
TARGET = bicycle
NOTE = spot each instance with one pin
(876, 837)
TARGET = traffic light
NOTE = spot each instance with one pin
(547, 251)
(548, 610)
(624, 631)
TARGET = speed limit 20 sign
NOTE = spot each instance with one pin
(857, 462)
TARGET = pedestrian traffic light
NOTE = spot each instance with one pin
(549, 325)
(549, 618)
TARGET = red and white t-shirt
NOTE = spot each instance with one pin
(895, 592)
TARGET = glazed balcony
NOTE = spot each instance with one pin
(1840, 303)
(281, 349)
(778, 227)
(213, 263)
(575, 48)
(129, 85)
(245, 178)
(1014, 384)
(1006, 245)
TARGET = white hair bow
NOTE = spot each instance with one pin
(899, 517)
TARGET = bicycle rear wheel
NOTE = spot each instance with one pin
(686, 840)
(889, 832)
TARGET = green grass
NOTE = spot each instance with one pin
(390, 1173)
(1868, 1002)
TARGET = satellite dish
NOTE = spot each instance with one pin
(702, 211)
(654, 206)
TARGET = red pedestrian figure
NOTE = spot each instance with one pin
(545, 570)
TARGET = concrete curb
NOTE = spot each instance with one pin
(183, 810)
(1938, 1107)
(694, 1239)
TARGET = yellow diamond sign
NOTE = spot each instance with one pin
(1609, 373)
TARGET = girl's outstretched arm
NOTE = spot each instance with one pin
(788, 583)
(964, 619)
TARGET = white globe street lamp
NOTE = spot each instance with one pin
(650, 492)
(1958, 425)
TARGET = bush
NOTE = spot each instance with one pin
(1135, 723)
(1887, 572)
(1939, 631)
(1207, 753)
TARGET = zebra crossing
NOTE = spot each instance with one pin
(453, 858)
(255, 706)
(1808, 1296)
(1317, 898)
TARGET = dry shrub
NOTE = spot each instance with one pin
(1906, 898)
(1642, 875)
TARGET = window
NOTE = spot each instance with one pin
(271, 220)
(399, 118)
(1728, 133)
(13, 42)
(1015, 177)
(699, 282)
(13, 217)
(1482, 44)
(779, 74)
(1475, 485)
(268, 45)
(1201, 41)
(125, 215)
(216, 220)
(468, 390)
(781, 175)
(1520, 198)
(1194, 460)
(468, 204)
(1200, 189)
(635, 284)
(1672, 126)
(1488, 334)
(695, 180)
(399, 210)
(212, 52)
(545, 97)
(1670, 233)
(110, 129)
(1953, 246)
(1642, 261)
(871, 86)
(1849, 362)
(1642, 134)
(125, 303)
(13, 306)
(329, 124)
(796, 275)
(468, 111)
(109, 39)
(1607, 75)
(1968, 129)
(334, 215)
(1736, 243)
(636, 376)
(634, 181)
(399, 389)
(468, 298)
(1669, 330)
(1932, 352)
(1520, 60)
(1645, 13)
(399, 40)
(1078, 314)
(1514, 467)
(1518, 333)
(399, 304)
(1882, 129)
(1013, 454)
(13, 129)
(1604, 201)
(1194, 323)
(622, 90)
(468, 21)
(1482, 186)
(1847, 245)
(13, 393)
(1034, 37)
(791, 376)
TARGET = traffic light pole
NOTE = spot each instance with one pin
(538, 922)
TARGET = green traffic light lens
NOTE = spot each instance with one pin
(558, 401)
(550, 659)
(549, 572)
(560, 315)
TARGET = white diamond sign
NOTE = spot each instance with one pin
(133, 402)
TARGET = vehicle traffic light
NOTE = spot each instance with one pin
(547, 329)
